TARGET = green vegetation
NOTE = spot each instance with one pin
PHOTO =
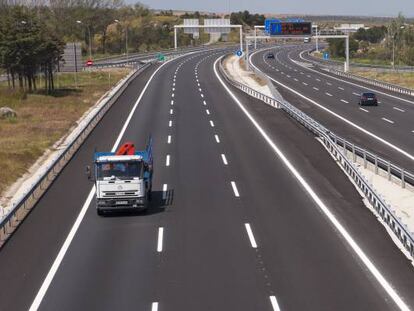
(405, 79)
(385, 45)
(43, 119)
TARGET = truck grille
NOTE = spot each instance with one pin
(118, 193)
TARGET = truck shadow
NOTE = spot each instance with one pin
(158, 204)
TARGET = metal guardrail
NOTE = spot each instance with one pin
(333, 143)
(388, 86)
(23, 206)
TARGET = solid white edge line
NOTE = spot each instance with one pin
(154, 306)
(385, 142)
(58, 260)
(160, 239)
(167, 160)
(330, 216)
(223, 157)
(250, 235)
(235, 190)
(274, 303)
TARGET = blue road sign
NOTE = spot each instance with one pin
(239, 53)
(325, 55)
(268, 22)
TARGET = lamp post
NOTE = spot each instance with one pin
(394, 36)
(90, 39)
(126, 37)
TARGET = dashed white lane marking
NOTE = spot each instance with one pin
(217, 138)
(319, 202)
(172, 95)
(223, 157)
(388, 120)
(173, 83)
(160, 239)
(173, 89)
(329, 94)
(308, 76)
(250, 235)
(204, 103)
(172, 102)
(199, 89)
(288, 76)
(198, 84)
(154, 306)
(274, 303)
(315, 88)
(236, 192)
(344, 101)
(171, 111)
(328, 83)
(295, 79)
(304, 83)
(341, 88)
(202, 95)
(169, 123)
(301, 73)
(398, 109)
(167, 160)
(319, 80)
(207, 111)
(356, 94)
(164, 191)
(211, 123)
(169, 139)
(363, 109)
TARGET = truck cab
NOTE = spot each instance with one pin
(123, 180)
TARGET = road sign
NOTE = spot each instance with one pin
(326, 55)
(89, 62)
(270, 21)
(216, 22)
(290, 29)
(239, 53)
(161, 57)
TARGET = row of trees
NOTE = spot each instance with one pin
(27, 47)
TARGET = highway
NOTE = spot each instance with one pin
(249, 213)
(387, 130)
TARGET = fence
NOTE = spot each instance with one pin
(336, 146)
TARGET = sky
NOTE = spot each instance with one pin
(313, 7)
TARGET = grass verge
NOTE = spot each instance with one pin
(44, 119)
(404, 79)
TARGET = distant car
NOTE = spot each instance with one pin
(368, 98)
(270, 55)
(306, 40)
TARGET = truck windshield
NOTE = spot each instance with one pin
(121, 170)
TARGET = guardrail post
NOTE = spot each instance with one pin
(402, 179)
(389, 170)
(376, 165)
(365, 158)
(353, 153)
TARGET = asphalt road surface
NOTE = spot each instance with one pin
(231, 226)
(386, 129)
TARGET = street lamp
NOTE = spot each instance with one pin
(90, 40)
(393, 46)
(126, 37)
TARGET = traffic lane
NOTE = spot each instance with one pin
(379, 127)
(284, 215)
(26, 258)
(391, 107)
(208, 263)
(124, 246)
(297, 57)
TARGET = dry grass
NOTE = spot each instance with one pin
(44, 119)
(405, 79)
